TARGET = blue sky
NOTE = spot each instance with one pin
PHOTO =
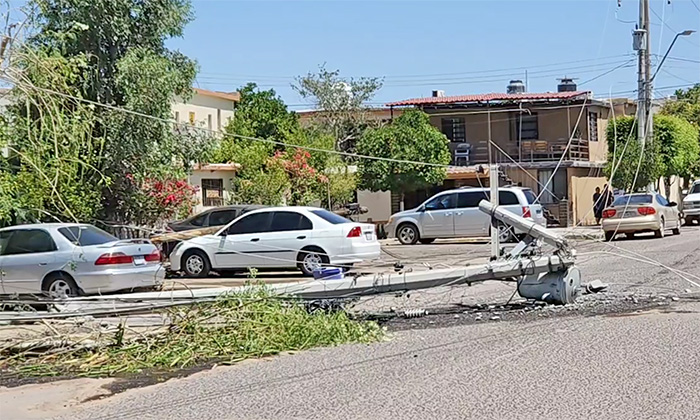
(461, 47)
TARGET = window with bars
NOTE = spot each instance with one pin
(592, 126)
(526, 127)
(213, 192)
(454, 129)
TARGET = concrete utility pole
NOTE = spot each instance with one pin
(493, 183)
(641, 45)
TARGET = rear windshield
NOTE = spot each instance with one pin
(330, 217)
(531, 198)
(632, 200)
(86, 235)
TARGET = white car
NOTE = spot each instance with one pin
(279, 237)
(691, 203)
(65, 259)
(456, 214)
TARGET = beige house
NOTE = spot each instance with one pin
(533, 134)
(211, 110)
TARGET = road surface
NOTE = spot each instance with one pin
(636, 365)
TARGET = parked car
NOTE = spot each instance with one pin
(218, 216)
(642, 212)
(279, 237)
(691, 203)
(64, 259)
(455, 213)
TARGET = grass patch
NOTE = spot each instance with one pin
(235, 327)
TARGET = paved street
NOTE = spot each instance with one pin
(635, 365)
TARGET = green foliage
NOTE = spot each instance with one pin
(625, 169)
(266, 186)
(687, 105)
(679, 145)
(412, 138)
(249, 324)
(340, 102)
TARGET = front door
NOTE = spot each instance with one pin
(438, 218)
(241, 246)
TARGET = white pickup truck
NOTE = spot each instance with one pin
(691, 203)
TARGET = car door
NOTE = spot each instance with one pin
(469, 220)
(4, 240)
(26, 259)
(239, 245)
(289, 232)
(437, 219)
(670, 212)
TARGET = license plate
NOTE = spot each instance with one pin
(630, 214)
(139, 261)
(368, 236)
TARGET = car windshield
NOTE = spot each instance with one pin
(695, 189)
(531, 198)
(330, 217)
(86, 235)
(632, 200)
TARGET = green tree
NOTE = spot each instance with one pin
(630, 165)
(686, 105)
(679, 147)
(410, 137)
(341, 103)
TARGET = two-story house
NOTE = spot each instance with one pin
(531, 135)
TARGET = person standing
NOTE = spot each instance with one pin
(598, 205)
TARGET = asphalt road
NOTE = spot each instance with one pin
(639, 364)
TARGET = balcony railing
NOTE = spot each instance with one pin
(526, 151)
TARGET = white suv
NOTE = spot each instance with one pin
(691, 203)
(455, 213)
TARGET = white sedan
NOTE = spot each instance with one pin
(68, 259)
(281, 237)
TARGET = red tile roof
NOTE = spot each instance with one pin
(514, 97)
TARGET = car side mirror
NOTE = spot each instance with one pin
(421, 209)
(672, 203)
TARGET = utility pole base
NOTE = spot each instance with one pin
(558, 288)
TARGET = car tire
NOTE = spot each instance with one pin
(661, 232)
(195, 263)
(427, 241)
(677, 230)
(407, 234)
(505, 234)
(60, 286)
(308, 258)
(609, 236)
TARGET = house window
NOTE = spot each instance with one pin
(213, 192)
(177, 116)
(209, 125)
(526, 127)
(218, 120)
(454, 129)
(593, 126)
(191, 118)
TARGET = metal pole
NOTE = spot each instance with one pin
(493, 183)
(488, 123)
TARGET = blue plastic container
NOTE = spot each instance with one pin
(329, 273)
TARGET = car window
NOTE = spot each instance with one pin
(507, 198)
(221, 217)
(287, 220)
(530, 196)
(199, 220)
(252, 223)
(442, 202)
(4, 239)
(695, 189)
(86, 235)
(471, 199)
(660, 198)
(632, 200)
(330, 217)
(29, 241)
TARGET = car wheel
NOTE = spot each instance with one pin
(677, 230)
(196, 264)
(505, 233)
(311, 259)
(407, 234)
(60, 286)
(427, 241)
(661, 232)
(609, 236)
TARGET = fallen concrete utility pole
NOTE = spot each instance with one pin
(552, 279)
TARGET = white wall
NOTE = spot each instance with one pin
(205, 108)
(378, 204)
(196, 179)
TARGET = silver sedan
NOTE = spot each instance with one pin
(643, 212)
(62, 259)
